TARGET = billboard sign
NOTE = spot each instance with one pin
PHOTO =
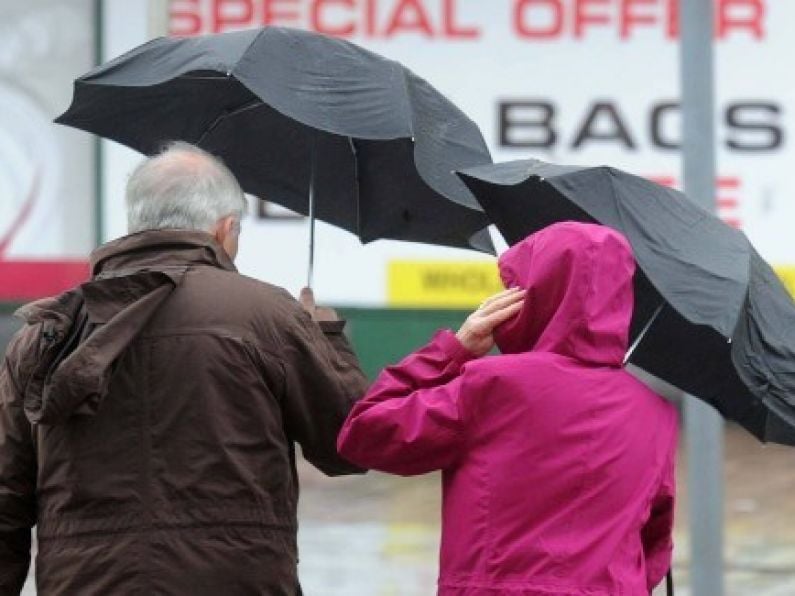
(584, 82)
(46, 172)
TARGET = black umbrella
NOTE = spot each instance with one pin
(298, 115)
(711, 317)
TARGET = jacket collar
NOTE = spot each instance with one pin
(159, 248)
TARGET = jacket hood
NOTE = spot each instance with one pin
(579, 298)
(84, 331)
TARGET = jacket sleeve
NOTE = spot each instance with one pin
(657, 533)
(410, 421)
(322, 381)
(17, 472)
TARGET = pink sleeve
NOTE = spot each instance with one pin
(657, 534)
(409, 422)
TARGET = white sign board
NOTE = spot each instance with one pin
(46, 174)
(571, 81)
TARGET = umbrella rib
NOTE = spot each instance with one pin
(253, 104)
(607, 171)
(352, 147)
(189, 77)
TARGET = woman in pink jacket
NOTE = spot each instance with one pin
(558, 465)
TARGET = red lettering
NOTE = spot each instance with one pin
(370, 21)
(184, 18)
(275, 12)
(730, 182)
(318, 24)
(748, 15)
(409, 15)
(452, 29)
(525, 25)
(672, 30)
(629, 18)
(725, 205)
(534, 20)
(728, 203)
(583, 17)
(663, 180)
(228, 14)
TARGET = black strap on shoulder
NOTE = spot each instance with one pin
(669, 583)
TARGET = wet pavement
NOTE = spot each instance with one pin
(377, 535)
(345, 552)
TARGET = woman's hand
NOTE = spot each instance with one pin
(477, 332)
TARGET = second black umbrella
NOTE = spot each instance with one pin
(710, 317)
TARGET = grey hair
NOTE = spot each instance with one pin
(183, 187)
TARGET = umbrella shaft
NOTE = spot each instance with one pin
(313, 155)
(311, 272)
(642, 333)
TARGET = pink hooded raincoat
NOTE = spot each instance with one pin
(558, 466)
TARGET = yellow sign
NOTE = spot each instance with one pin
(441, 284)
(457, 284)
(787, 275)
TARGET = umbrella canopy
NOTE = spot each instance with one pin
(288, 110)
(711, 317)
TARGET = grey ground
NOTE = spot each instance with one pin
(378, 536)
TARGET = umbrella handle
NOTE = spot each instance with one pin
(310, 277)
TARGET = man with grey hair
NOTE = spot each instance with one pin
(185, 188)
(148, 418)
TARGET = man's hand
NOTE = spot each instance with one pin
(476, 334)
(318, 313)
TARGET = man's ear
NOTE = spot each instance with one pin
(229, 226)
(223, 229)
(226, 234)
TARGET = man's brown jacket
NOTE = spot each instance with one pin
(147, 424)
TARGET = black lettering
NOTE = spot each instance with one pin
(469, 281)
(617, 132)
(657, 125)
(434, 280)
(755, 126)
(527, 124)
